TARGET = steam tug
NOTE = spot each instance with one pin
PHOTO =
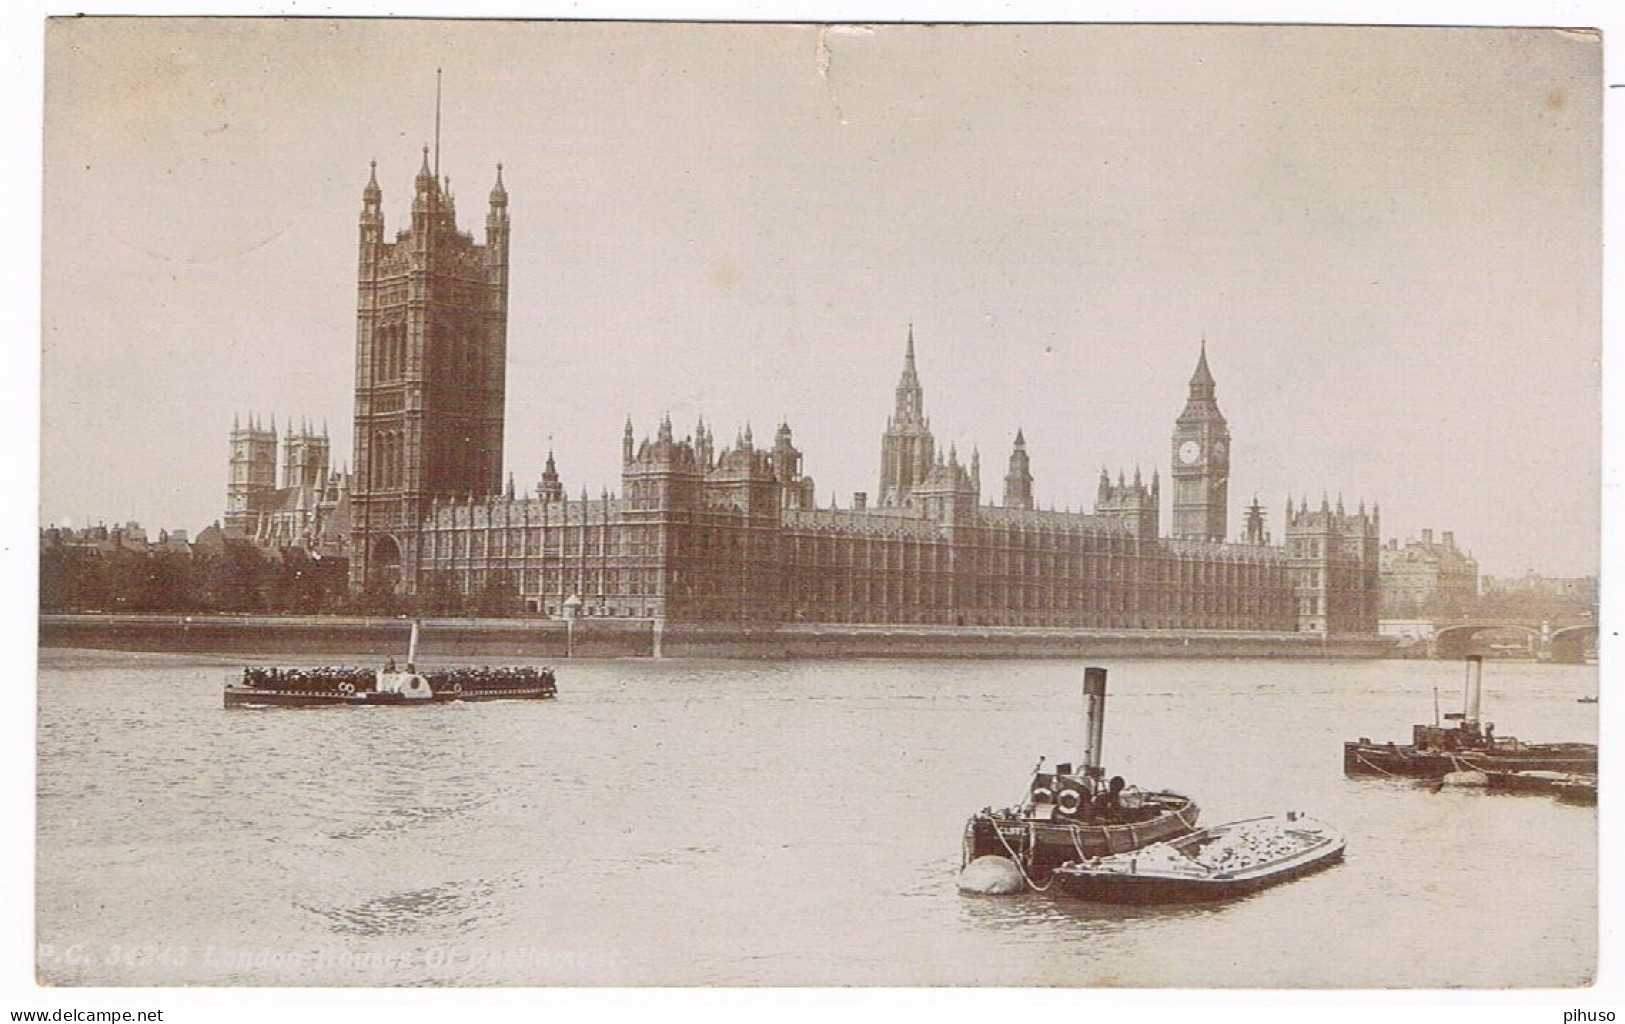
(1071, 814)
(1470, 745)
(331, 686)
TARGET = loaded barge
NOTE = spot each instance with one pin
(1217, 863)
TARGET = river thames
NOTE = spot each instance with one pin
(774, 823)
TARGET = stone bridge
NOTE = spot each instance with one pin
(1567, 644)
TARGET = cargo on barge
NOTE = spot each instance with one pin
(1217, 863)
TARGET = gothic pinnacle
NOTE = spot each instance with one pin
(1203, 377)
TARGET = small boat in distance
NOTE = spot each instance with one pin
(1469, 746)
(1070, 814)
(1586, 700)
(1217, 863)
(343, 686)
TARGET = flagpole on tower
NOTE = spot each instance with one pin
(437, 125)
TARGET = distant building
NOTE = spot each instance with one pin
(707, 535)
(703, 533)
(307, 507)
(1334, 567)
(1425, 578)
(1582, 590)
(108, 540)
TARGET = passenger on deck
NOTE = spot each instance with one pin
(389, 665)
(1108, 806)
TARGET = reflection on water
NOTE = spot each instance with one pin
(775, 823)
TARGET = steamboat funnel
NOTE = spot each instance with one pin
(1094, 718)
(1475, 685)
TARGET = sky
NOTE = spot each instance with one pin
(1389, 239)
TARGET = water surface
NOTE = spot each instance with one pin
(778, 823)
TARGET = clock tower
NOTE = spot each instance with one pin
(1201, 446)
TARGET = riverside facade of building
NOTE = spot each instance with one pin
(701, 533)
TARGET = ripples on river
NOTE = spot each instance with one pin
(782, 823)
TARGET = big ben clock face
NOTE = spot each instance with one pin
(1189, 453)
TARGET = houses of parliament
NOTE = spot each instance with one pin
(707, 532)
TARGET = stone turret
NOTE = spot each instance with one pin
(1134, 506)
(1018, 480)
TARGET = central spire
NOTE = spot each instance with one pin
(911, 378)
(910, 396)
(907, 448)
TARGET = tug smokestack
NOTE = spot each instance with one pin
(1475, 686)
(1094, 718)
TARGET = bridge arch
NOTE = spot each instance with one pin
(1571, 643)
(1456, 641)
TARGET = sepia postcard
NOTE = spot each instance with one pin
(711, 504)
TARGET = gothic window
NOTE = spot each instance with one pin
(376, 456)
